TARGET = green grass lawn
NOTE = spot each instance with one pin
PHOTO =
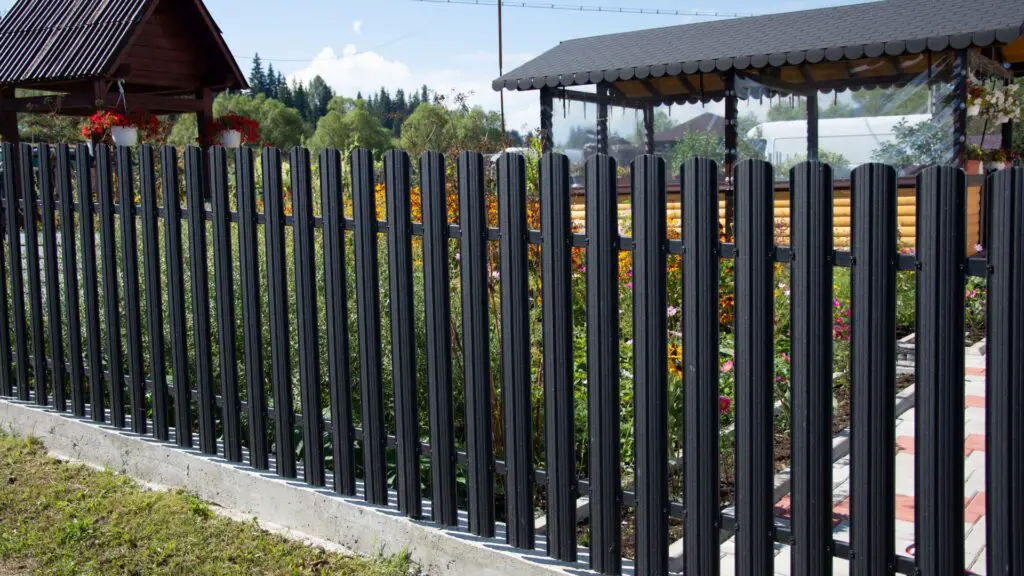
(59, 518)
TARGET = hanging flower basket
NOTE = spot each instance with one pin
(993, 100)
(233, 130)
(120, 129)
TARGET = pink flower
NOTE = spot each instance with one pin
(724, 404)
(979, 248)
(672, 311)
(727, 367)
(630, 285)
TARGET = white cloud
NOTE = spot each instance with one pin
(357, 26)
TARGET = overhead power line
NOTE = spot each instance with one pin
(593, 8)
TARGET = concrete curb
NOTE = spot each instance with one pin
(315, 512)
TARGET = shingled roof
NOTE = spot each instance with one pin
(888, 28)
(62, 40)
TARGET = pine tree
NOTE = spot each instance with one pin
(257, 79)
(319, 95)
(270, 89)
(424, 95)
(300, 99)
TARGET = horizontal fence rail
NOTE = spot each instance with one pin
(491, 363)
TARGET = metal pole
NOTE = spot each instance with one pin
(960, 109)
(812, 125)
(602, 118)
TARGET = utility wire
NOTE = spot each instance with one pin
(593, 8)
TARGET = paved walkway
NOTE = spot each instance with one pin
(974, 483)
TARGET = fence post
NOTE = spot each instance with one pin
(476, 343)
(309, 337)
(1004, 410)
(54, 320)
(35, 290)
(337, 322)
(939, 473)
(252, 325)
(175, 294)
(6, 374)
(603, 371)
(364, 207)
(70, 262)
(403, 331)
(700, 357)
(154, 297)
(438, 313)
(515, 347)
(195, 191)
(873, 366)
(811, 321)
(130, 281)
(105, 193)
(223, 283)
(650, 365)
(277, 296)
(13, 226)
(559, 415)
(754, 365)
(86, 221)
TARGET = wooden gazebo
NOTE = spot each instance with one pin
(158, 56)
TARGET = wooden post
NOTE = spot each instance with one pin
(8, 118)
(731, 149)
(649, 129)
(547, 104)
(602, 118)
(812, 125)
(204, 116)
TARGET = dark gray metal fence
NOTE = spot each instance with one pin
(44, 200)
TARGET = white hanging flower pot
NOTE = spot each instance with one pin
(230, 138)
(125, 135)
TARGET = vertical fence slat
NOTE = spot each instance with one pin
(476, 343)
(154, 296)
(603, 372)
(873, 368)
(35, 288)
(755, 373)
(252, 326)
(811, 327)
(368, 309)
(1004, 410)
(559, 413)
(336, 290)
(14, 250)
(195, 187)
(939, 422)
(309, 338)
(176, 296)
(54, 319)
(231, 410)
(438, 315)
(515, 349)
(700, 357)
(403, 334)
(280, 357)
(90, 280)
(650, 365)
(69, 256)
(6, 372)
(130, 281)
(115, 380)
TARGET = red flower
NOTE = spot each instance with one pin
(724, 404)
(102, 121)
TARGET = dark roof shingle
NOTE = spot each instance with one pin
(64, 39)
(892, 27)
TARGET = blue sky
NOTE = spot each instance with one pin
(450, 47)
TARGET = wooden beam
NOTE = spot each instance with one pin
(546, 119)
(8, 118)
(77, 104)
(690, 88)
(204, 114)
(650, 88)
